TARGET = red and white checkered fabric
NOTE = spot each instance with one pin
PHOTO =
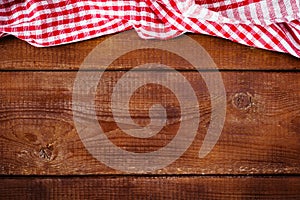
(267, 24)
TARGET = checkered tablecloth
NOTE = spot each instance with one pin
(267, 24)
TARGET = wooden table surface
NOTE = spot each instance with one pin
(42, 157)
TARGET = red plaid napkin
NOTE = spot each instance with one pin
(267, 24)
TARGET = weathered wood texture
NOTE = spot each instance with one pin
(260, 136)
(17, 55)
(256, 157)
(151, 188)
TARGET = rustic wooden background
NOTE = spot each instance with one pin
(42, 157)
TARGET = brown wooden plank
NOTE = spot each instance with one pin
(260, 136)
(16, 54)
(151, 188)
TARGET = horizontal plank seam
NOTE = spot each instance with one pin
(142, 70)
(153, 176)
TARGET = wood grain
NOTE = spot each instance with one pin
(18, 55)
(256, 157)
(128, 187)
(260, 136)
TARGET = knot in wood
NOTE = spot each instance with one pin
(46, 152)
(242, 101)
